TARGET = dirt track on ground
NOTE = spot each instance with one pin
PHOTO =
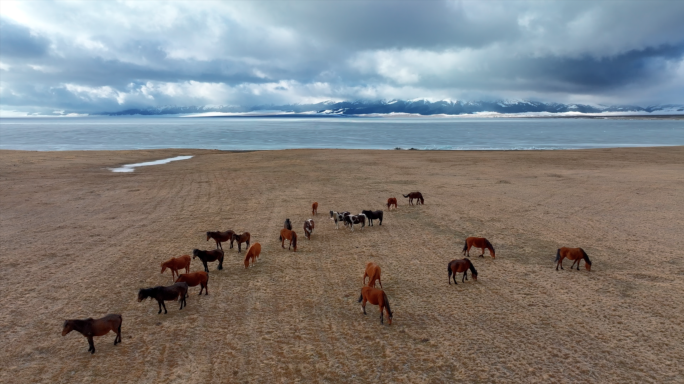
(77, 240)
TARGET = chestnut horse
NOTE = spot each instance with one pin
(376, 297)
(252, 254)
(286, 234)
(208, 256)
(194, 279)
(478, 242)
(373, 273)
(338, 217)
(308, 228)
(221, 237)
(314, 208)
(456, 266)
(288, 224)
(176, 263)
(390, 202)
(178, 291)
(415, 195)
(244, 238)
(95, 327)
(576, 254)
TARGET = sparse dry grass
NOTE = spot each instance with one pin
(77, 240)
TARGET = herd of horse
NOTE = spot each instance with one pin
(178, 291)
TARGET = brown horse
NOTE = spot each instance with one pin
(208, 256)
(308, 228)
(314, 208)
(177, 291)
(221, 237)
(376, 297)
(415, 195)
(478, 242)
(95, 327)
(373, 273)
(456, 266)
(194, 279)
(576, 254)
(390, 202)
(244, 238)
(286, 234)
(252, 254)
(175, 264)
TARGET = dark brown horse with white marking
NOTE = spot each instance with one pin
(209, 256)
(575, 254)
(178, 291)
(95, 327)
(415, 195)
(314, 208)
(463, 265)
(390, 202)
(373, 274)
(308, 228)
(286, 234)
(221, 237)
(478, 242)
(175, 264)
(376, 297)
(243, 238)
(194, 279)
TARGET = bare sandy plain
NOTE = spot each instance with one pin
(77, 240)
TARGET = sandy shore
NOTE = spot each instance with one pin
(77, 240)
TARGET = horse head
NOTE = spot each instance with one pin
(142, 294)
(195, 253)
(209, 235)
(163, 265)
(68, 327)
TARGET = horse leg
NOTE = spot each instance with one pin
(379, 281)
(483, 250)
(91, 344)
(464, 278)
(573, 265)
(363, 305)
(206, 268)
(382, 318)
(160, 306)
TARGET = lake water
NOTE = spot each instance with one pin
(116, 133)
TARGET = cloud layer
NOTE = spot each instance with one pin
(106, 56)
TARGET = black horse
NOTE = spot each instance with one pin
(207, 256)
(174, 292)
(288, 224)
(373, 215)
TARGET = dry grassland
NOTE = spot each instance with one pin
(77, 241)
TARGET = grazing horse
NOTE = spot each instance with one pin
(208, 256)
(178, 291)
(286, 234)
(308, 228)
(314, 208)
(456, 266)
(355, 219)
(176, 263)
(576, 254)
(288, 224)
(415, 195)
(95, 327)
(376, 297)
(373, 215)
(338, 217)
(478, 242)
(252, 254)
(373, 273)
(194, 279)
(221, 237)
(244, 238)
(390, 202)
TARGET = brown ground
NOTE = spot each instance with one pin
(77, 241)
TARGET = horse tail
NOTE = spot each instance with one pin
(406, 195)
(449, 273)
(361, 296)
(558, 255)
(280, 238)
(387, 305)
(294, 240)
(465, 246)
(586, 257)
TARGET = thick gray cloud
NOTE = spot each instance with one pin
(107, 56)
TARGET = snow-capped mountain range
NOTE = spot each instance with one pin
(424, 107)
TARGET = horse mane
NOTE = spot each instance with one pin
(472, 267)
(491, 246)
(146, 292)
(586, 257)
(389, 310)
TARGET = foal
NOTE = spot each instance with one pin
(252, 254)
(390, 202)
(175, 264)
(95, 327)
(376, 297)
(208, 256)
(308, 228)
(244, 238)
(314, 208)
(194, 279)
(178, 291)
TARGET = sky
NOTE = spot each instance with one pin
(60, 57)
